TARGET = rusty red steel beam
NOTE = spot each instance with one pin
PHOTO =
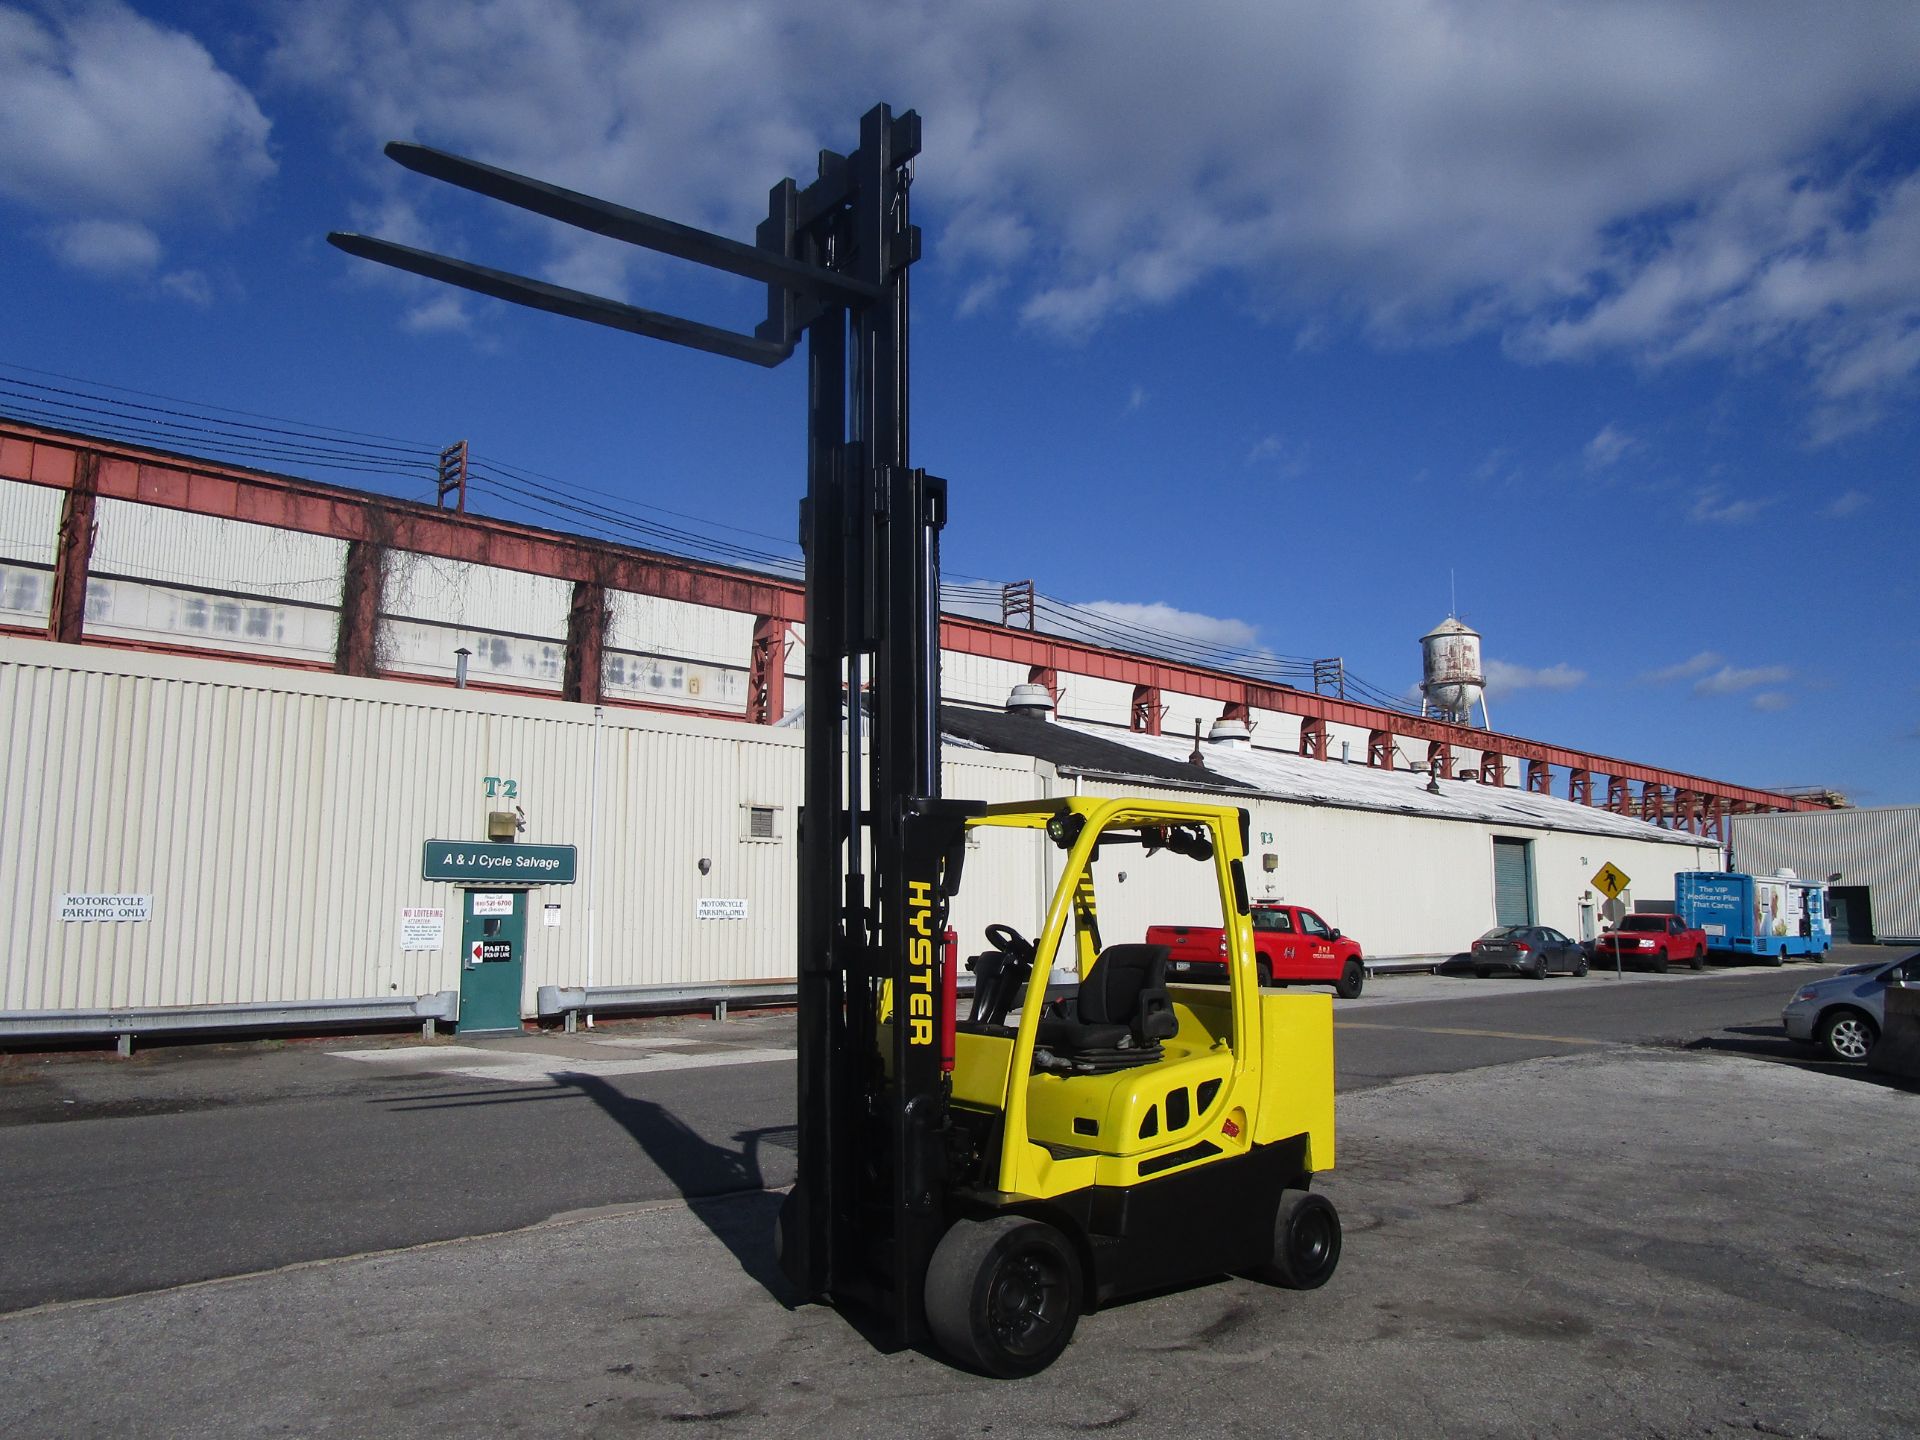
(125, 472)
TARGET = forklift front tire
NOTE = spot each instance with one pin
(1003, 1295)
(1306, 1241)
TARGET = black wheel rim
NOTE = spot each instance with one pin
(1312, 1242)
(1027, 1301)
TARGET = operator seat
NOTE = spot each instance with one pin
(1117, 1019)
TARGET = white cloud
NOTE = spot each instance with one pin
(1713, 507)
(189, 285)
(981, 295)
(1606, 448)
(1781, 262)
(106, 115)
(1688, 669)
(1137, 398)
(1505, 679)
(1650, 179)
(1712, 675)
(1288, 457)
(1770, 701)
(1186, 625)
(1731, 680)
(1848, 502)
(111, 249)
(437, 314)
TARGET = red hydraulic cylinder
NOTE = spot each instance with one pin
(949, 997)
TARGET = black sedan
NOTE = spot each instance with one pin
(1531, 950)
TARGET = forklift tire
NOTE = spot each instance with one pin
(1306, 1241)
(1003, 1295)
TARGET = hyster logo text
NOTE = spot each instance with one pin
(920, 963)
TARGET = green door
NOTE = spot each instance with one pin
(493, 957)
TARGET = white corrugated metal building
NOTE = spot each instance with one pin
(265, 828)
(198, 766)
(1874, 852)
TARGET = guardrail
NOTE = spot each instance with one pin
(569, 1002)
(17, 1026)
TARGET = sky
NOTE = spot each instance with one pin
(1287, 327)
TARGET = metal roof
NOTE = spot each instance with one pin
(1075, 747)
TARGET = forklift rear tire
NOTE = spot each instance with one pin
(1003, 1295)
(1306, 1241)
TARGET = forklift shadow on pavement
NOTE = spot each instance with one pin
(1770, 1042)
(724, 1188)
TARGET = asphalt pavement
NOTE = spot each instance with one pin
(194, 1162)
(1621, 1240)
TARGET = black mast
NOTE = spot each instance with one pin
(878, 852)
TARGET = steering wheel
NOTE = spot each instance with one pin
(1009, 942)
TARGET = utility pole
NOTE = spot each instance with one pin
(1016, 599)
(453, 475)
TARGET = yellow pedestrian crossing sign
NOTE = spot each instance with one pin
(1610, 880)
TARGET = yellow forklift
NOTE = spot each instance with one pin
(1127, 1136)
(977, 1182)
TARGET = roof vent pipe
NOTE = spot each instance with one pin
(1030, 699)
(1230, 734)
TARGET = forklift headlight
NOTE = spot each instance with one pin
(1065, 827)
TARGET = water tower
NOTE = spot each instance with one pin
(1452, 682)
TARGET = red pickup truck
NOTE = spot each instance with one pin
(1656, 940)
(1295, 946)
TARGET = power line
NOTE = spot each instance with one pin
(81, 404)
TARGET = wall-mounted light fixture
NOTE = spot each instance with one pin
(706, 865)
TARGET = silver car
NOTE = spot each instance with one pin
(1843, 1013)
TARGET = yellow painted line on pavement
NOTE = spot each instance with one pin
(1484, 1034)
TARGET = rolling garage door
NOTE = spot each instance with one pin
(1513, 882)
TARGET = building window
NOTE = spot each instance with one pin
(760, 822)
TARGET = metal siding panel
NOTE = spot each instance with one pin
(1275, 731)
(464, 595)
(29, 531)
(978, 679)
(653, 624)
(29, 521)
(1104, 702)
(178, 547)
(277, 819)
(1878, 848)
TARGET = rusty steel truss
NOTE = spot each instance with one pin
(87, 468)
